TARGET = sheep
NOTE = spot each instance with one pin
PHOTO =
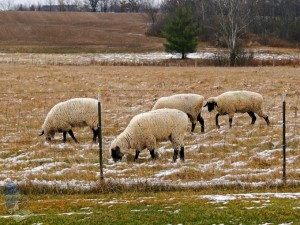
(237, 102)
(145, 129)
(191, 104)
(76, 112)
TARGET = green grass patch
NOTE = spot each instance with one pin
(157, 208)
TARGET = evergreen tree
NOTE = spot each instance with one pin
(180, 32)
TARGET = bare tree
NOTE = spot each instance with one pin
(67, 4)
(6, 4)
(151, 11)
(115, 5)
(50, 3)
(61, 5)
(93, 4)
(77, 3)
(104, 5)
(233, 17)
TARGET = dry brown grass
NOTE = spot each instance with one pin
(245, 153)
(75, 32)
(79, 32)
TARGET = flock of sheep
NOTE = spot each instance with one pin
(168, 119)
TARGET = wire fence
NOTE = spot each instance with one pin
(243, 155)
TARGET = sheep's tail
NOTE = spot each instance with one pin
(41, 133)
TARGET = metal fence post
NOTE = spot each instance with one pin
(100, 135)
(283, 136)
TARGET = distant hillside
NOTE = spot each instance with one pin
(75, 31)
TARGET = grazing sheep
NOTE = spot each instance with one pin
(145, 129)
(237, 102)
(77, 112)
(191, 104)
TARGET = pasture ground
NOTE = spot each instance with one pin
(230, 176)
(243, 159)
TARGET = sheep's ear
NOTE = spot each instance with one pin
(41, 133)
(216, 104)
(205, 105)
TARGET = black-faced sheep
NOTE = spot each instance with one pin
(145, 129)
(77, 112)
(191, 104)
(232, 102)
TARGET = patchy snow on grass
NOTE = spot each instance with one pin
(245, 155)
(137, 58)
(257, 196)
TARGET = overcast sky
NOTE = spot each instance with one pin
(42, 2)
(27, 2)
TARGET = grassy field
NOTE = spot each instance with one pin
(245, 155)
(242, 159)
(159, 208)
(75, 32)
(83, 32)
(229, 176)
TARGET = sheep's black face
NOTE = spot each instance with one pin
(210, 106)
(116, 154)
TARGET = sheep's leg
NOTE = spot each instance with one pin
(96, 134)
(64, 136)
(193, 124)
(182, 153)
(201, 121)
(193, 127)
(72, 135)
(267, 120)
(252, 115)
(217, 121)
(175, 155)
(230, 122)
(137, 152)
(152, 154)
(230, 119)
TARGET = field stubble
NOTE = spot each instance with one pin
(242, 156)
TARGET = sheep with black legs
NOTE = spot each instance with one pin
(145, 129)
(232, 102)
(191, 104)
(76, 112)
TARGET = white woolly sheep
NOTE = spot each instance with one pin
(145, 129)
(232, 102)
(191, 104)
(77, 112)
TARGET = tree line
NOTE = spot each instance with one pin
(223, 23)
(80, 5)
(280, 18)
(227, 23)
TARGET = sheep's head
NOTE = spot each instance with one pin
(116, 154)
(211, 104)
